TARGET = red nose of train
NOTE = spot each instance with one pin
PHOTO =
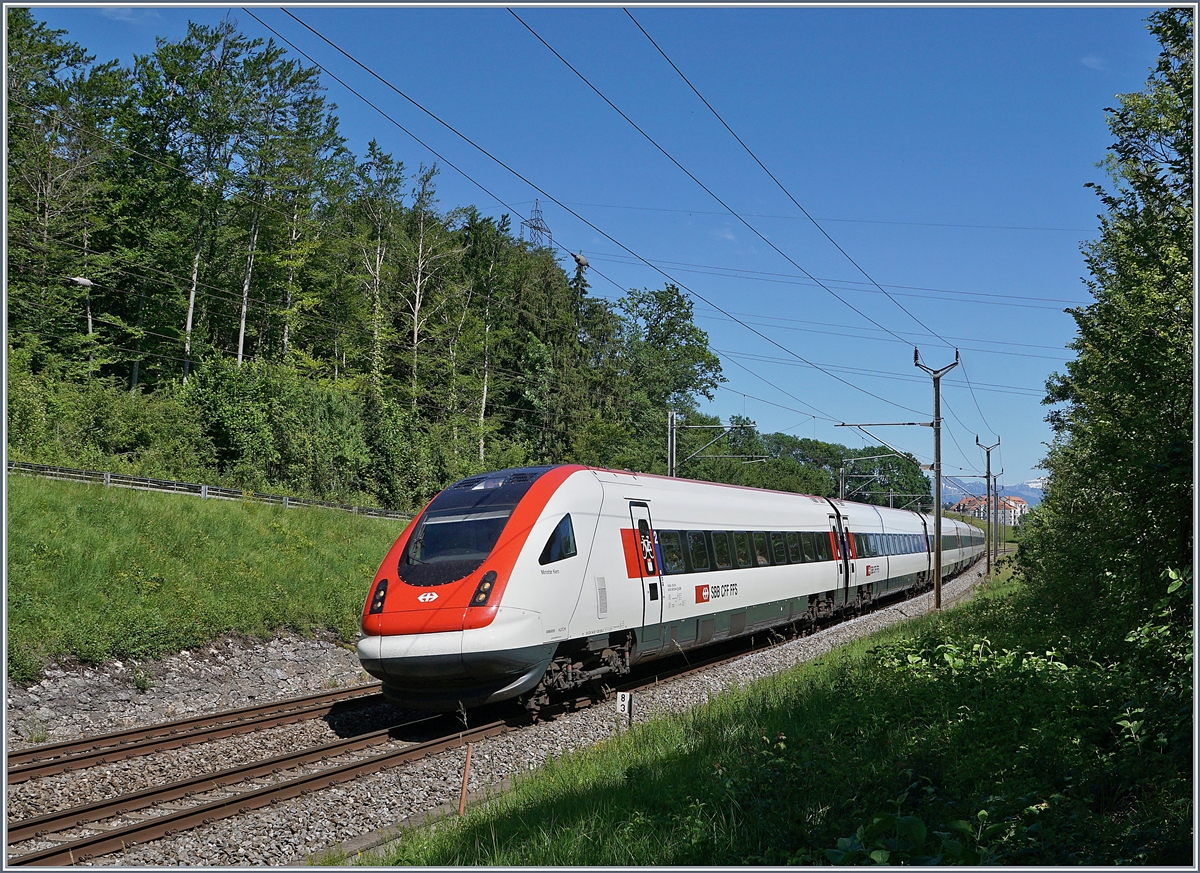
(399, 609)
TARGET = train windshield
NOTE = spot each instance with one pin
(448, 545)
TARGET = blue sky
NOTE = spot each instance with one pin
(944, 150)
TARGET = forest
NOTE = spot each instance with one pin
(205, 283)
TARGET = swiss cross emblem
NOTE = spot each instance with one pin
(702, 594)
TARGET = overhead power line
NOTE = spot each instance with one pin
(537, 188)
(744, 272)
(797, 204)
(840, 220)
(779, 184)
(691, 176)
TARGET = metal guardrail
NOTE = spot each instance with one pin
(146, 483)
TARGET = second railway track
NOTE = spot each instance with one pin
(107, 748)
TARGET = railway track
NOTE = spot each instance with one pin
(132, 819)
(152, 822)
(108, 748)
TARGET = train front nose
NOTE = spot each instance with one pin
(416, 668)
(448, 669)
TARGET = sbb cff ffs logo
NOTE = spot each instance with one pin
(703, 594)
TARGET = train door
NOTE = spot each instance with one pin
(839, 526)
(927, 538)
(650, 637)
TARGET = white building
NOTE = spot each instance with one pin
(1009, 510)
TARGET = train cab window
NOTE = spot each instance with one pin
(762, 552)
(448, 545)
(672, 551)
(561, 544)
(741, 543)
(778, 547)
(793, 547)
(721, 555)
(698, 551)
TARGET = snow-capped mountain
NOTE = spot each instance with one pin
(1031, 492)
(954, 490)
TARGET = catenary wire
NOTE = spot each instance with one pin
(553, 199)
(797, 204)
(884, 374)
(845, 220)
(779, 184)
(690, 175)
(737, 272)
(881, 339)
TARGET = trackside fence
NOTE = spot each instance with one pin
(145, 483)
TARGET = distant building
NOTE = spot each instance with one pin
(1009, 509)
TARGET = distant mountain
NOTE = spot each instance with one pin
(1031, 492)
(954, 490)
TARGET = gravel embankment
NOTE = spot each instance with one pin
(236, 673)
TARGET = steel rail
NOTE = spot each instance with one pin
(109, 840)
(88, 847)
(119, 745)
(78, 816)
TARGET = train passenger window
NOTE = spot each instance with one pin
(561, 544)
(809, 545)
(793, 547)
(762, 554)
(721, 556)
(741, 542)
(672, 551)
(778, 547)
(892, 550)
(698, 550)
(824, 546)
(862, 546)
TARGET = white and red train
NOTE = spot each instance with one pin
(523, 582)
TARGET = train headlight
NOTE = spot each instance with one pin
(377, 600)
(483, 591)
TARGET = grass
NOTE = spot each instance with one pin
(998, 732)
(111, 573)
